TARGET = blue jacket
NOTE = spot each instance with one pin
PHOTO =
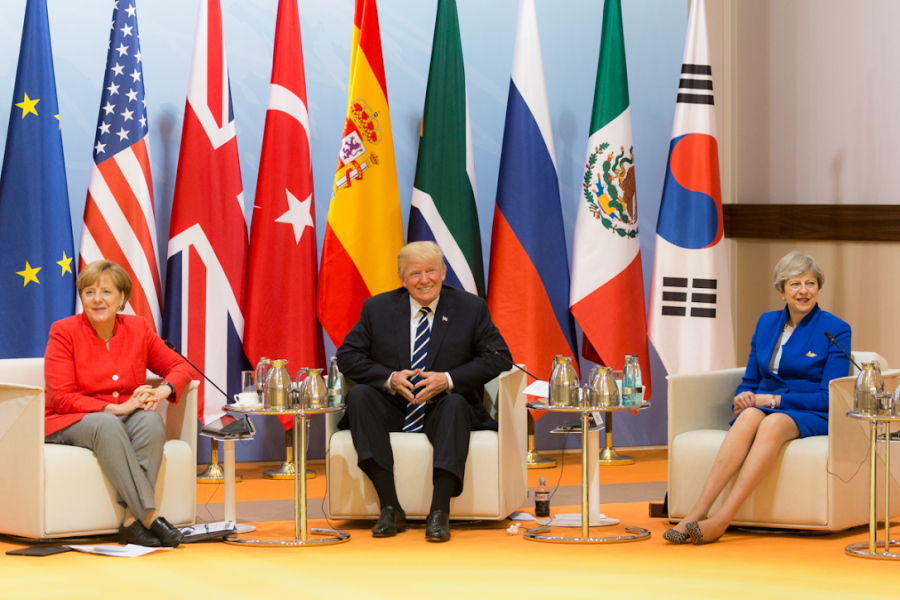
(808, 361)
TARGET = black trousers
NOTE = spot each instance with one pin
(373, 415)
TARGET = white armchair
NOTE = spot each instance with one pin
(52, 491)
(495, 482)
(818, 482)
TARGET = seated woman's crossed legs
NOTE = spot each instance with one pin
(751, 445)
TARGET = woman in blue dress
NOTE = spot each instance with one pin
(783, 396)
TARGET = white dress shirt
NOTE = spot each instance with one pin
(414, 308)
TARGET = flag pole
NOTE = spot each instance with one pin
(608, 455)
(213, 472)
(286, 470)
(533, 459)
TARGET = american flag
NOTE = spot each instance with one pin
(119, 219)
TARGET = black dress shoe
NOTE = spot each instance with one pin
(138, 535)
(437, 526)
(168, 535)
(391, 522)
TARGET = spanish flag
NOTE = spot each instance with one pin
(365, 227)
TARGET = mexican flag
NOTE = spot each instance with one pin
(607, 294)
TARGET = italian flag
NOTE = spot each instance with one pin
(607, 293)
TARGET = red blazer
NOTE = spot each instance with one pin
(81, 376)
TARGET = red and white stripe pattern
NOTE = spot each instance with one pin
(119, 216)
(207, 254)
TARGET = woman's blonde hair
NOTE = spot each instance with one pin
(92, 273)
(795, 264)
(419, 251)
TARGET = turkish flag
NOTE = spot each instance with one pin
(280, 308)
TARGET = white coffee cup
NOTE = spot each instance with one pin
(247, 399)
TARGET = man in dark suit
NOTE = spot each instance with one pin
(420, 356)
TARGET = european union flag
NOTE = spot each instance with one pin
(37, 269)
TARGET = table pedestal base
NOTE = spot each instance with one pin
(535, 533)
(336, 536)
(861, 549)
(588, 448)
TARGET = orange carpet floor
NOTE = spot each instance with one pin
(478, 562)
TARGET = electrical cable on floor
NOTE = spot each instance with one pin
(212, 519)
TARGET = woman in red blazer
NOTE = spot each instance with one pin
(95, 377)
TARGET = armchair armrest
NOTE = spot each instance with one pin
(701, 400)
(512, 418)
(181, 419)
(22, 458)
(332, 419)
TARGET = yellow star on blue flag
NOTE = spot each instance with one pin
(35, 222)
(65, 263)
(28, 105)
(30, 274)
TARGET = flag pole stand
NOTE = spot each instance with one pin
(608, 455)
(533, 459)
(213, 472)
(286, 470)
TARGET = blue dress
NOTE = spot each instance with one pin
(808, 363)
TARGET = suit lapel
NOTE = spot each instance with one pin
(800, 339)
(769, 346)
(442, 319)
(401, 319)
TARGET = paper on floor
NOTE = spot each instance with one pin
(129, 551)
(521, 516)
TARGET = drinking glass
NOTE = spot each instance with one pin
(248, 381)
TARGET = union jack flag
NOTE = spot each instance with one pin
(208, 234)
(119, 218)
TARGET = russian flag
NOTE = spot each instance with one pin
(528, 290)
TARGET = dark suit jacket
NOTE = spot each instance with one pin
(462, 330)
(808, 361)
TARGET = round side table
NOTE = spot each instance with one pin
(301, 534)
(870, 549)
(538, 534)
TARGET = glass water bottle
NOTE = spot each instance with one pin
(632, 385)
(334, 385)
(262, 371)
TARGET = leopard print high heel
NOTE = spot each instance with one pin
(676, 537)
(697, 535)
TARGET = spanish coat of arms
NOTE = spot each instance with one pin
(610, 191)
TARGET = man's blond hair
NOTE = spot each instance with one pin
(426, 252)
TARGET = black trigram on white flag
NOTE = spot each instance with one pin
(678, 297)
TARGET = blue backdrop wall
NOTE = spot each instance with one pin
(570, 37)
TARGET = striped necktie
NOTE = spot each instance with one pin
(415, 413)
